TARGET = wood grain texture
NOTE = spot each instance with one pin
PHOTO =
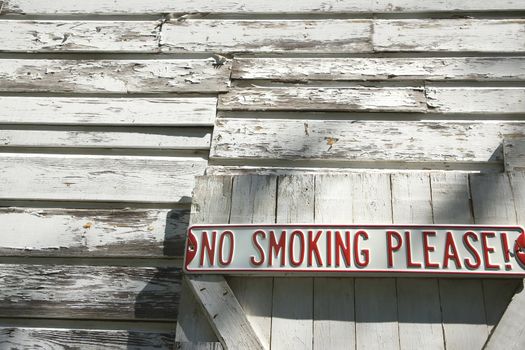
(334, 310)
(62, 339)
(113, 76)
(451, 198)
(132, 7)
(381, 68)
(324, 98)
(492, 199)
(93, 232)
(94, 292)
(292, 318)
(359, 140)
(98, 178)
(234, 36)
(166, 111)
(476, 100)
(101, 137)
(453, 35)
(79, 36)
(419, 312)
(514, 154)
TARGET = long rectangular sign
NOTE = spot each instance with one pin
(356, 249)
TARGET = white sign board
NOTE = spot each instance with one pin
(356, 249)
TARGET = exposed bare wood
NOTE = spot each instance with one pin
(476, 100)
(79, 36)
(169, 111)
(361, 140)
(198, 346)
(97, 292)
(459, 35)
(325, 98)
(98, 178)
(93, 232)
(160, 138)
(113, 76)
(416, 68)
(514, 154)
(133, 7)
(227, 36)
(62, 339)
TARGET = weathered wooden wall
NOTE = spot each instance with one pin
(110, 108)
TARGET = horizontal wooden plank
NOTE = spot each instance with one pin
(100, 137)
(113, 76)
(461, 35)
(361, 140)
(335, 36)
(168, 111)
(98, 178)
(56, 338)
(325, 98)
(424, 68)
(79, 36)
(93, 232)
(476, 100)
(514, 154)
(252, 6)
(97, 292)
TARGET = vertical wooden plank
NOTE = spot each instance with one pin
(493, 203)
(334, 320)
(376, 322)
(292, 310)
(464, 323)
(509, 333)
(419, 312)
(254, 201)
(211, 204)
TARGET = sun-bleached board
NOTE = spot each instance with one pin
(514, 154)
(456, 35)
(99, 137)
(324, 98)
(501, 100)
(463, 311)
(361, 140)
(381, 68)
(89, 292)
(62, 339)
(254, 201)
(198, 346)
(135, 7)
(419, 312)
(376, 322)
(230, 36)
(114, 76)
(93, 232)
(292, 310)
(98, 178)
(163, 111)
(510, 331)
(211, 204)
(79, 36)
(334, 314)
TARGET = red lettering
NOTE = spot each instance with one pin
(258, 247)
(340, 246)
(328, 248)
(364, 252)
(208, 247)
(313, 248)
(228, 261)
(300, 235)
(277, 248)
(391, 248)
(410, 263)
(472, 250)
(427, 248)
(451, 252)
(487, 250)
(506, 249)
